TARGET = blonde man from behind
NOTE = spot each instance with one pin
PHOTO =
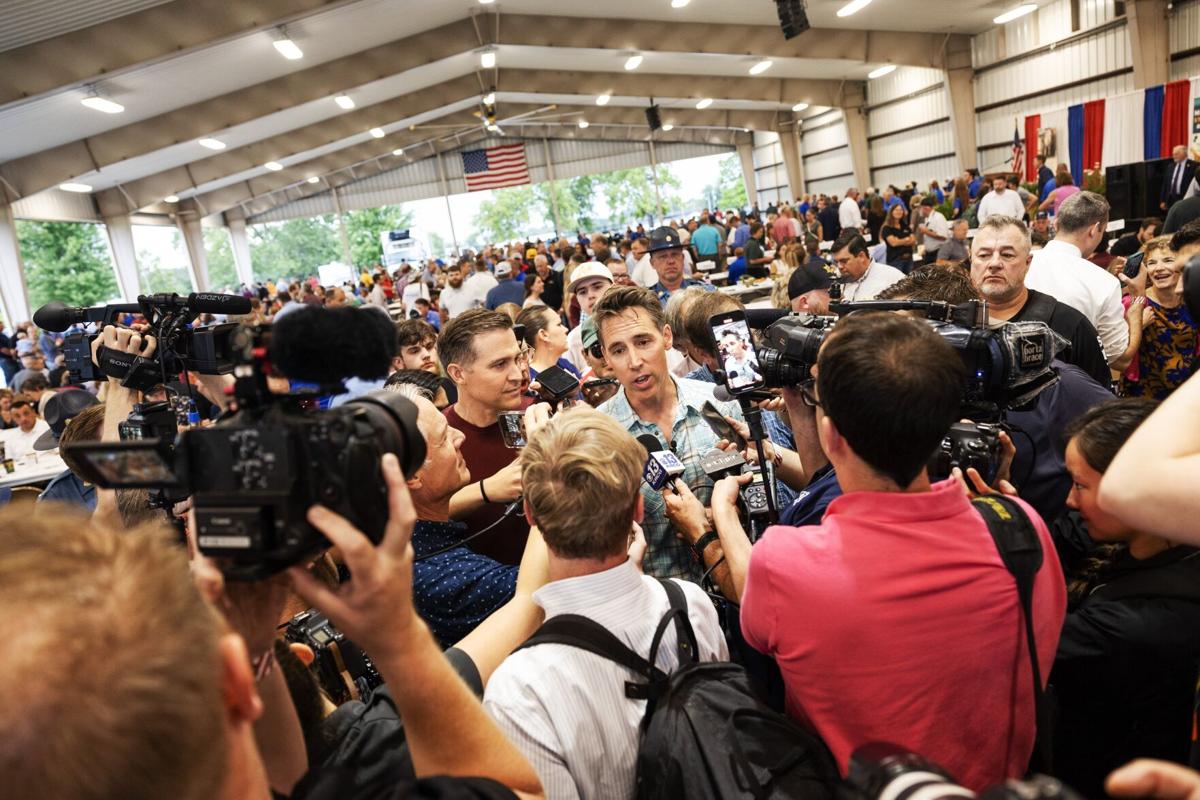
(566, 708)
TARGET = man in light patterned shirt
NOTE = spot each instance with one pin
(566, 708)
(635, 339)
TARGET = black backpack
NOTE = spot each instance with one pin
(704, 734)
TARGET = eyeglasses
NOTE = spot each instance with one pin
(808, 393)
(523, 356)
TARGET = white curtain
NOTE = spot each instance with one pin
(1123, 132)
(1058, 121)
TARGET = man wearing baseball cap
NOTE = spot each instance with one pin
(666, 256)
(74, 416)
(588, 282)
(510, 288)
(808, 288)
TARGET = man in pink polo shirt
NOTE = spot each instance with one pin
(894, 619)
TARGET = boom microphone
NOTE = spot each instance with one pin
(759, 318)
(57, 316)
(326, 345)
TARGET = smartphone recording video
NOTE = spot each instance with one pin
(736, 349)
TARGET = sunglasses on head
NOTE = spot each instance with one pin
(596, 351)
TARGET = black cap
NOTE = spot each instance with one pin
(928, 201)
(61, 408)
(807, 277)
(664, 238)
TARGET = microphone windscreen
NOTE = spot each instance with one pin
(651, 442)
(205, 303)
(764, 317)
(54, 316)
(327, 345)
(722, 394)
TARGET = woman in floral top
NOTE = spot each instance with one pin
(1166, 352)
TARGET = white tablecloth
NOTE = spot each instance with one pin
(28, 470)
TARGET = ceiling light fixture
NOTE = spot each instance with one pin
(761, 66)
(399, 151)
(1016, 13)
(286, 47)
(703, 104)
(211, 143)
(314, 179)
(486, 2)
(378, 133)
(853, 7)
(274, 166)
(668, 126)
(879, 72)
(487, 59)
(98, 102)
(799, 106)
(171, 198)
(345, 101)
(633, 62)
(603, 99)
(78, 188)
(679, 3)
(583, 123)
(489, 99)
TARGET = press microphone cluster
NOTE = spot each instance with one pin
(662, 466)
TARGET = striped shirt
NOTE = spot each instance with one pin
(668, 556)
(566, 708)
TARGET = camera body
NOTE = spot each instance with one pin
(254, 474)
(333, 654)
(968, 445)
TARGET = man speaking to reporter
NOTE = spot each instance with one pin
(635, 339)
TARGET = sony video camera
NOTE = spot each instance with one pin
(254, 474)
(180, 347)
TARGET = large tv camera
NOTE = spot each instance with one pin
(1007, 368)
(254, 474)
(181, 348)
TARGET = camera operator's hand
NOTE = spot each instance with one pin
(1161, 780)
(536, 417)
(375, 607)
(726, 492)
(978, 486)
(685, 512)
(751, 452)
(124, 340)
(505, 485)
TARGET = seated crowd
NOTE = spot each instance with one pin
(529, 601)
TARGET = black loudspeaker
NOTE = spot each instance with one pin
(1119, 190)
(652, 118)
(793, 18)
(1153, 173)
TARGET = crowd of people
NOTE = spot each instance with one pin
(878, 607)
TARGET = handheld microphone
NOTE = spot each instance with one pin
(718, 464)
(662, 466)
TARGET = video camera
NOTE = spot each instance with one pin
(180, 347)
(254, 474)
(1007, 368)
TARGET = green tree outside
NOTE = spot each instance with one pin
(218, 249)
(67, 261)
(153, 278)
(631, 196)
(507, 214)
(293, 249)
(363, 228)
(730, 184)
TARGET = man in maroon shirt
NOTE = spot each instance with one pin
(486, 362)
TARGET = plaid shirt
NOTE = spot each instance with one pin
(668, 556)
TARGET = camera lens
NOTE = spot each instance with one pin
(780, 372)
(394, 420)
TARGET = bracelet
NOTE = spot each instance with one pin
(483, 494)
(702, 544)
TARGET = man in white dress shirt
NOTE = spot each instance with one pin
(862, 278)
(1000, 200)
(565, 708)
(19, 441)
(1061, 270)
(849, 214)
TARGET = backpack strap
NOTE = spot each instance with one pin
(685, 635)
(1021, 551)
(580, 632)
(1039, 306)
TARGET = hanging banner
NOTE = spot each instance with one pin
(1194, 150)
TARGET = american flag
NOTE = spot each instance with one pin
(495, 167)
(1018, 159)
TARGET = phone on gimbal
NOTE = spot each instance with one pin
(735, 349)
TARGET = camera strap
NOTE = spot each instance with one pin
(1021, 551)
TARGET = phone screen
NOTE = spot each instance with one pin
(736, 349)
(1133, 264)
(720, 426)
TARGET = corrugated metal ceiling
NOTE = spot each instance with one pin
(24, 22)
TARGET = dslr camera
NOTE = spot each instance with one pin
(254, 474)
(334, 656)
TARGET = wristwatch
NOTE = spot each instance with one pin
(701, 544)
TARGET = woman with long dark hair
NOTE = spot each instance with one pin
(1125, 673)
